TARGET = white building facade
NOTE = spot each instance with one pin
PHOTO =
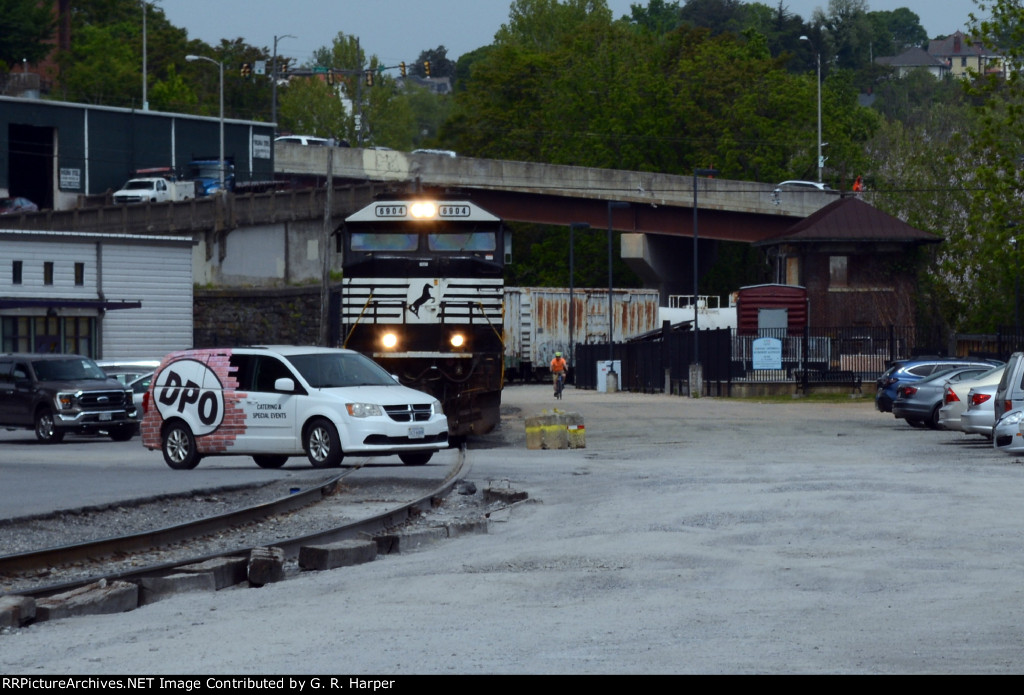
(106, 296)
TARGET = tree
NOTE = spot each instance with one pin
(28, 26)
(991, 239)
(440, 66)
(310, 106)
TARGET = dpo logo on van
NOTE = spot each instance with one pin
(191, 390)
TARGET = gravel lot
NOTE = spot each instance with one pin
(689, 536)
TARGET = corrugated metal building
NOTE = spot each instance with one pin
(106, 296)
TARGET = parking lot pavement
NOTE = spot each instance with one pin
(689, 536)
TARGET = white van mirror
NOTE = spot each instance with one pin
(284, 384)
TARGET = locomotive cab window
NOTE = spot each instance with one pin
(464, 241)
(367, 242)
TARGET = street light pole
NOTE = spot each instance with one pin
(611, 206)
(273, 77)
(817, 56)
(220, 162)
(696, 269)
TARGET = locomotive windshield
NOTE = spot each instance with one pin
(369, 242)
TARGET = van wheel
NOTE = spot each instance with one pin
(322, 444)
(269, 460)
(417, 458)
(46, 431)
(179, 447)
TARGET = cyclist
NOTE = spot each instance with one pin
(559, 368)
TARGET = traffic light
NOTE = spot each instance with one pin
(369, 78)
(246, 69)
(402, 66)
(426, 68)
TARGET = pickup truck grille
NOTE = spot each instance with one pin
(102, 399)
(408, 413)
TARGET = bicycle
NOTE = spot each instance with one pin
(559, 385)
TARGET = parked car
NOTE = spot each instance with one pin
(904, 371)
(1010, 392)
(804, 186)
(956, 398)
(274, 402)
(17, 204)
(57, 394)
(919, 402)
(128, 371)
(306, 140)
(1007, 435)
(980, 416)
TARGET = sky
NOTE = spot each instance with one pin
(399, 30)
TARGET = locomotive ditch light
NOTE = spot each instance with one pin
(424, 211)
(389, 341)
(457, 340)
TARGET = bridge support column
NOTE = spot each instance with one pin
(666, 262)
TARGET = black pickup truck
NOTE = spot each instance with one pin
(57, 394)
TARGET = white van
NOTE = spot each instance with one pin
(307, 140)
(274, 402)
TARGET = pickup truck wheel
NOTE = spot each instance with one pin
(416, 458)
(323, 445)
(179, 447)
(123, 433)
(46, 431)
(269, 460)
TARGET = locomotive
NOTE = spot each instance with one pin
(422, 294)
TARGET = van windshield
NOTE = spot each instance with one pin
(328, 370)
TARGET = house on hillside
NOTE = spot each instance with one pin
(914, 59)
(963, 55)
(858, 264)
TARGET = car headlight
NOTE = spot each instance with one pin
(1014, 418)
(363, 409)
(437, 408)
(65, 400)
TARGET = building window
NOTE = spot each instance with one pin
(16, 272)
(79, 274)
(48, 273)
(17, 334)
(792, 270)
(837, 271)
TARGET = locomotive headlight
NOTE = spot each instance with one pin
(424, 210)
(457, 340)
(389, 341)
(363, 409)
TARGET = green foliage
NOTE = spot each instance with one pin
(25, 28)
(540, 258)
(311, 107)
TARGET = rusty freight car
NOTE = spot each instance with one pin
(537, 323)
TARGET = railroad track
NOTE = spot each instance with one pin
(152, 552)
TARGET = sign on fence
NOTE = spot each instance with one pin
(767, 353)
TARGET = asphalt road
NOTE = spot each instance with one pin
(689, 536)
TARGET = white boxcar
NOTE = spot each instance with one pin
(537, 323)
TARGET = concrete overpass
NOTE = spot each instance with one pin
(659, 219)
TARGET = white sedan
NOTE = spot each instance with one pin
(955, 399)
(1008, 435)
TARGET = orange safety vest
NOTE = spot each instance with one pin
(558, 365)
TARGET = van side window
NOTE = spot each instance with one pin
(243, 366)
(267, 371)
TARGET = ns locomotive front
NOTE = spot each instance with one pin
(422, 294)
